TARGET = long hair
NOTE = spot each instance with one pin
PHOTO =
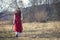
(18, 11)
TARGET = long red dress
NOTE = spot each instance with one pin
(18, 22)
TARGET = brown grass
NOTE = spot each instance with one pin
(32, 31)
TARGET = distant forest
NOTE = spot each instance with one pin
(42, 13)
(36, 13)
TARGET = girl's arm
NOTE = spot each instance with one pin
(14, 19)
(21, 17)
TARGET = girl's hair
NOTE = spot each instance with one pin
(19, 11)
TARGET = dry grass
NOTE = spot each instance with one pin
(32, 31)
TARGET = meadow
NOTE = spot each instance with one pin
(31, 31)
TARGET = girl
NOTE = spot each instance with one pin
(17, 22)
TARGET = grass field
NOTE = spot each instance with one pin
(32, 31)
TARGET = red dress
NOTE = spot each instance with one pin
(18, 22)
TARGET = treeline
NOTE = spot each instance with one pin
(42, 13)
(36, 13)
